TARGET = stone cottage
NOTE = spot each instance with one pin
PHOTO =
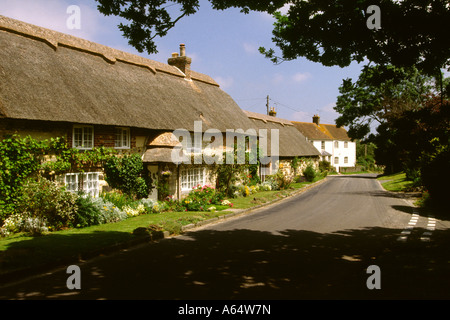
(57, 85)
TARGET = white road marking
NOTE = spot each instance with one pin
(426, 236)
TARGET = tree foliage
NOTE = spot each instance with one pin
(19, 159)
(380, 94)
(418, 142)
(127, 175)
(333, 33)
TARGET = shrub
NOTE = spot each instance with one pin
(199, 198)
(284, 181)
(19, 159)
(47, 201)
(309, 173)
(324, 166)
(126, 174)
(22, 223)
(117, 198)
(217, 197)
(108, 211)
(265, 186)
(272, 182)
(87, 214)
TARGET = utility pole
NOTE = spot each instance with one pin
(267, 104)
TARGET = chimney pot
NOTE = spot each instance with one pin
(272, 112)
(181, 61)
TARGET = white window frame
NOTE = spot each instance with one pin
(346, 160)
(191, 177)
(336, 144)
(88, 182)
(336, 160)
(122, 138)
(322, 145)
(345, 144)
(86, 144)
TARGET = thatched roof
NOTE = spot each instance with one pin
(311, 131)
(158, 155)
(322, 131)
(50, 76)
(335, 132)
(291, 142)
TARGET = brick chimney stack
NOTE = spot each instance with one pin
(316, 119)
(181, 62)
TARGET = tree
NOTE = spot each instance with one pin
(413, 32)
(380, 94)
(335, 33)
(422, 140)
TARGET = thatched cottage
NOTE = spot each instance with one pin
(53, 84)
(292, 144)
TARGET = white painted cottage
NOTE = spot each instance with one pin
(333, 143)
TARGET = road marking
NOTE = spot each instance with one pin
(431, 226)
(408, 229)
(426, 236)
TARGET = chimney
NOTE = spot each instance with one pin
(316, 119)
(181, 62)
(272, 112)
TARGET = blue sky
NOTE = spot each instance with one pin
(223, 45)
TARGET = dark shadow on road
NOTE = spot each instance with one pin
(41, 253)
(247, 264)
(406, 209)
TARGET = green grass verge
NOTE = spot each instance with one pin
(18, 252)
(396, 182)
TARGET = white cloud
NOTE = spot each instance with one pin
(250, 48)
(224, 82)
(301, 77)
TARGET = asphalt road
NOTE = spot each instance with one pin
(317, 245)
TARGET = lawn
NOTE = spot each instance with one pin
(395, 182)
(19, 252)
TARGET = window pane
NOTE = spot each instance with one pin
(77, 137)
(88, 135)
(122, 138)
(191, 178)
(117, 142)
